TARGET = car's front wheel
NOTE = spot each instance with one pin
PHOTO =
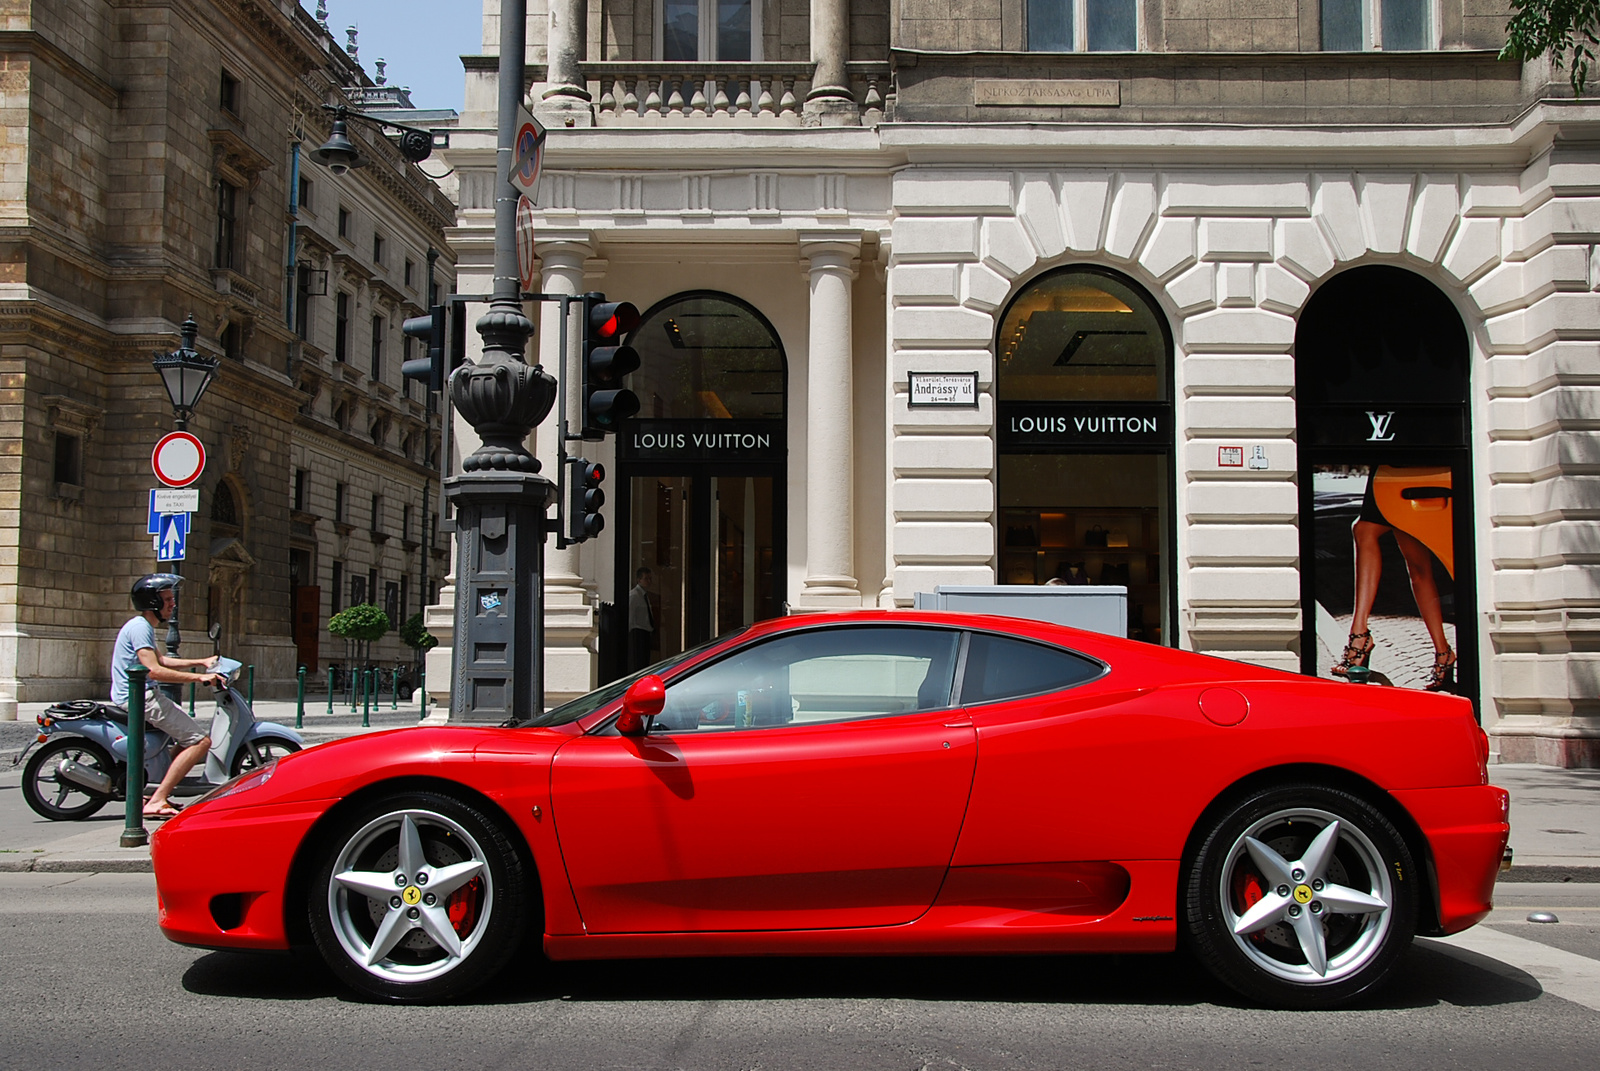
(419, 897)
(1301, 896)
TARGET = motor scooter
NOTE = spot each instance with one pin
(83, 763)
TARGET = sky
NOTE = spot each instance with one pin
(423, 41)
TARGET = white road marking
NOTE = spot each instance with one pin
(1560, 973)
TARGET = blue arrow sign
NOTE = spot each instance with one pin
(173, 537)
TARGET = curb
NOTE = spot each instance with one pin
(1559, 874)
(138, 862)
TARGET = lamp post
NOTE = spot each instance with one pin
(186, 373)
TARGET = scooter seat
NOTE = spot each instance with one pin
(78, 709)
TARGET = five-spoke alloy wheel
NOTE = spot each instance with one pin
(420, 897)
(1301, 896)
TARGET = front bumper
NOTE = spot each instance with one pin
(221, 873)
(1467, 831)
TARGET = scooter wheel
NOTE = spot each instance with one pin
(52, 795)
(259, 752)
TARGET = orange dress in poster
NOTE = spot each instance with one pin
(1418, 501)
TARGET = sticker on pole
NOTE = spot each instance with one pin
(527, 155)
(525, 249)
(178, 459)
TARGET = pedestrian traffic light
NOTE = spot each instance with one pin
(605, 362)
(584, 499)
(429, 368)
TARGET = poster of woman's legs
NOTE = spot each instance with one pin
(1384, 588)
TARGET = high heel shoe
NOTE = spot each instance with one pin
(1355, 654)
(1443, 674)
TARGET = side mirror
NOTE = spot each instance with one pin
(644, 700)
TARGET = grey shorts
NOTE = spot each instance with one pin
(162, 713)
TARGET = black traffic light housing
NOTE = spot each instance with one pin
(428, 369)
(584, 499)
(606, 403)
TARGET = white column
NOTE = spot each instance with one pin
(830, 425)
(569, 621)
(564, 51)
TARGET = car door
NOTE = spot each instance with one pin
(810, 780)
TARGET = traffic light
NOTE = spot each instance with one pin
(605, 361)
(584, 499)
(428, 369)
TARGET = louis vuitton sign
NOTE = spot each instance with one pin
(731, 441)
(1045, 426)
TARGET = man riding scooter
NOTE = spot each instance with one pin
(153, 597)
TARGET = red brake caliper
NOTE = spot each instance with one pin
(1248, 891)
(462, 906)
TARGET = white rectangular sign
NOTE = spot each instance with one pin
(174, 499)
(957, 390)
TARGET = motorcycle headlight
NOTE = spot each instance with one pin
(243, 783)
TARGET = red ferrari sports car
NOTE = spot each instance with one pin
(874, 782)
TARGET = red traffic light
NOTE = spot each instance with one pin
(612, 319)
(591, 472)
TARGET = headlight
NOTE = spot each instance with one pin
(243, 783)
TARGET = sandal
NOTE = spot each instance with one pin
(1355, 654)
(1443, 674)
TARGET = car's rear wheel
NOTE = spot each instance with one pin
(1301, 896)
(419, 897)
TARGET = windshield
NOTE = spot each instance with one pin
(588, 704)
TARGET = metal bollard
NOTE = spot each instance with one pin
(353, 684)
(394, 689)
(330, 690)
(422, 692)
(300, 699)
(191, 699)
(133, 832)
(250, 697)
(366, 698)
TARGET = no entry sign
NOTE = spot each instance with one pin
(178, 459)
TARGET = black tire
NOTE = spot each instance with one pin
(1288, 918)
(49, 794)
(259, 752)
(405, 693)
(491, 906)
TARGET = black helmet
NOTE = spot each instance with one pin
(148, 588)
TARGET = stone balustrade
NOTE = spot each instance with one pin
(764, 94)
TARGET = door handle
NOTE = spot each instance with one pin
(964, 723)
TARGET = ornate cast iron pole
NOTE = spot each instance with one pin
(499, 498)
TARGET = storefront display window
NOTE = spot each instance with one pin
(1085, 433)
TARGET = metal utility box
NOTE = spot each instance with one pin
(1093, 607)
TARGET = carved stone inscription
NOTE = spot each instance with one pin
(1049, 92)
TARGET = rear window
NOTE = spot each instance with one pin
(999, 667)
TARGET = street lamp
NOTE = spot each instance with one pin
(339, 154)
(186, 373)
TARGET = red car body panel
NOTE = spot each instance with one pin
(1046, 824)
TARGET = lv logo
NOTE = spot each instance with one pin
(1380, 427)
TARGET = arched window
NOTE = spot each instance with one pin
(707, 357)
(1382, 406)
(224, 510)
(1083, 381)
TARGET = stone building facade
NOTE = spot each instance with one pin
(153, 168)
(1209, 293)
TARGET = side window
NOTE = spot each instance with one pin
(999, 667)
(829, 675)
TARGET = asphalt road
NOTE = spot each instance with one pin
(94, 985)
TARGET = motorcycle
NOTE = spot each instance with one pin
(83, 763)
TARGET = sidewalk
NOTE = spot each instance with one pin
(1555, 813)
(92, 846)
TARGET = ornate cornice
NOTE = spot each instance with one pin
(271, 28)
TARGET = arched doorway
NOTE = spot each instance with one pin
(701, 480)
(1382, 381)
(1083, 381)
